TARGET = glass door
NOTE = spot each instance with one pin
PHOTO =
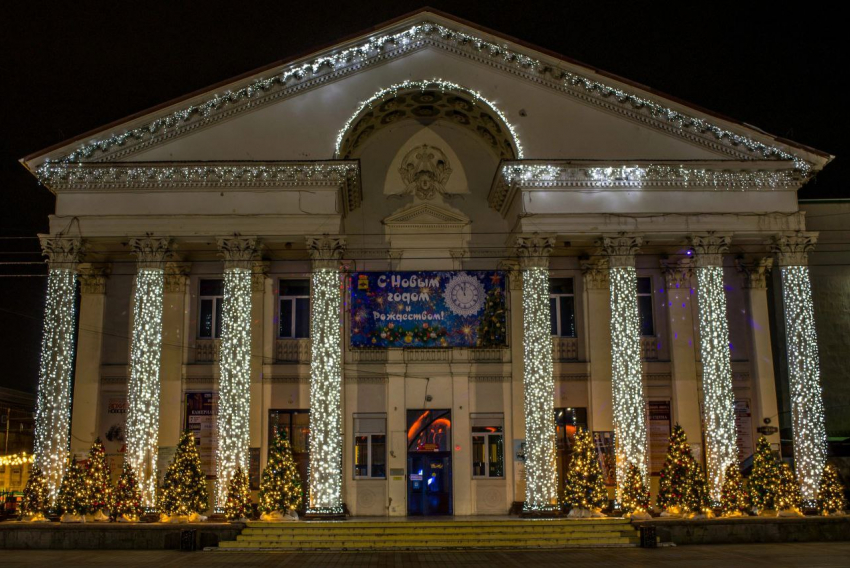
(429, 462)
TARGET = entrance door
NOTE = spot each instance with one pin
(429, 462)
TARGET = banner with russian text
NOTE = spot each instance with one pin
(428, 309)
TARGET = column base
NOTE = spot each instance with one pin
(327, 514)
(553, 512)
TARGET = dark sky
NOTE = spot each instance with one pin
(70, 67)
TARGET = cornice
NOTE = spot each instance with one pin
(720, 175)
(293, 79)
(211, 176)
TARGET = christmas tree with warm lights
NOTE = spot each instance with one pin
(184, 486)
(493, 325)
(677, 474)
(127, 499)
(733, 498)
(35, 500)
(98, 480)
(697, 498)
(584, 487)
(634, 496)
(831, 492)
(280, 486)
(73, 494)
(788, 497)
(238, 503)
(764, 477)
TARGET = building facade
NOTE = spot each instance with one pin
(428, 255)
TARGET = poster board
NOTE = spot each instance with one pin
(112, 429)
(658, 412)
(744, 429)
(201, 419)
(604, 442)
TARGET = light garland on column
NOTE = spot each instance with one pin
(626, 376)
(539, 384)
(718, 397)
(234, 392)
(807, 412)
(53, 412)
(143, 389)
(325, 471)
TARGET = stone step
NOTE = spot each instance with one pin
(404, 529)
(414, 544)
(447, 523)
(447, 536)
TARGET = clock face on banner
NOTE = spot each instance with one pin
(464, 295)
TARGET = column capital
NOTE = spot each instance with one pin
(678, 273)
(457, 258)
(259, 273)
(62, 252)
(514, 273)
(620, 248)
(754, 272)
(533, 250)
(326, 251)
(151, 251)
(176, 276)
(709, 248)
(93, 277)
(238, 251)
(595, 274)
(792, 248)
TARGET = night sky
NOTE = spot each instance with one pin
(71, 67)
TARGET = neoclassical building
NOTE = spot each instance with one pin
(427, 255)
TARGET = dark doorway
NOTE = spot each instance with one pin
(296, 425)
(567, 422)
(429, 462)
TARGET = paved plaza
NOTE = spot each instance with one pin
(811, 555)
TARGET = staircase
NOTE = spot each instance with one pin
(423, 535)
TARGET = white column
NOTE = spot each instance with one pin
(326, 376)
(89, 345)
(807, 412)
(517, 429)
(259, 324)
(598, 324)
(52, 418)
(145, 360)
(234, 385)
(630, 439)
(761, 358)
(686, 412)
(541, 493)
(717, 395)
(173, 343)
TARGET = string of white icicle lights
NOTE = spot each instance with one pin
(539, 383)
(807, 411)
(626, 375)
(143, 389)
(234, 389)
(325, 393)
(53, 407)
(718, 396)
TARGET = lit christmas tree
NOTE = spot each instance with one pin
(764, 478)
(184, 486)
(73, 494)
(831, 492)
(696, 498)
(584, 487)
(238, 504)
(733, 497)
(677, 474)
(788, 496)
(635, 495)
(127, 499)
(280, 486)
(491, 328)
(34, 502)
(98, 481)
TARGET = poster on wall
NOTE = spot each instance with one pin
(428, 309)
(604, 442)
(658, 412)
(744, 429)
(201, 414)
(112, 429)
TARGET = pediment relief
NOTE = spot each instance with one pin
(426, 214)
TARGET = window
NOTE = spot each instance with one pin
(488, 445)
(211, 294)
(562, 307)
(370, 446)
(294, 308)
(644, 298)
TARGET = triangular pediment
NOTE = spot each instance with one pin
(301, 109)
(426, 215)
